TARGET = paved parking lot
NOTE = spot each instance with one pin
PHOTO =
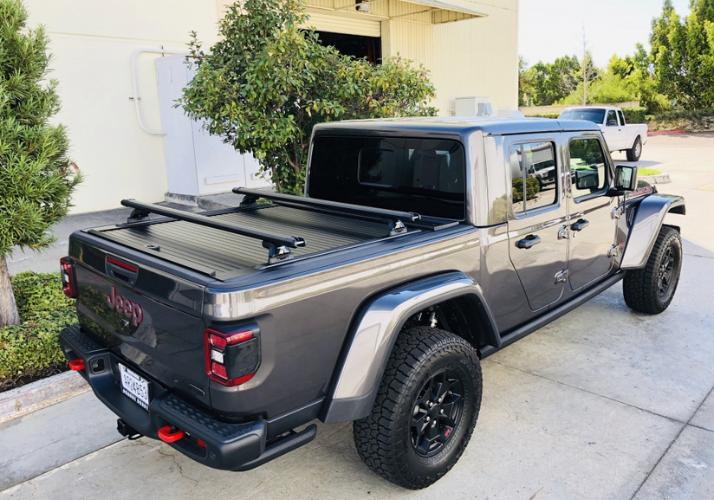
(602, 403)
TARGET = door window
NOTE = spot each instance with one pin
(533, 175)
(588, 169)
(622, 117)
(611, 119)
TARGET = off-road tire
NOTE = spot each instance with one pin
(641, 286)
(384, 439)
(634, 153)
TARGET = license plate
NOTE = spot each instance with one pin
(134, 386)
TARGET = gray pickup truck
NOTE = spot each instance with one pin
(421, 246)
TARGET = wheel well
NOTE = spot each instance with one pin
(464, 316)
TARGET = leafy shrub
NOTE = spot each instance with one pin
(635, 115)
(692, 120)
(266, 82)
(37, 177)
(532, 188)
(31, 349)
(608, 88)
(545, 115)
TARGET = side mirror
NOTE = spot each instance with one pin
(586, 179)
(625, 178)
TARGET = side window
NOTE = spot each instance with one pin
(622, 117)
(533, 176)
(588, 170)
(611, 119)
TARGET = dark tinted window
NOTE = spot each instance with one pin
(622, 117)
(419, 175)
(611, 119)
(592, 115)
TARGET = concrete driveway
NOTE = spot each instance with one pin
(602, 403)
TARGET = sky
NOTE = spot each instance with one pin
(552, 28)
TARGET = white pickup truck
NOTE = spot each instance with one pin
(619, 135)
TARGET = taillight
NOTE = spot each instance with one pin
(69, 284)
(232, 357)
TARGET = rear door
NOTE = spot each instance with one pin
(590, 209)
(537, 217)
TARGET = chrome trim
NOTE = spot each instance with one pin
(233, 305)
(645, 228)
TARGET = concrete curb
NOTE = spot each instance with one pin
(657, 179)
(675, 131)
(40, 394)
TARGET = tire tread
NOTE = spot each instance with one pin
(374, 435)
(639, 286)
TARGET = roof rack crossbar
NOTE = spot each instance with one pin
(278, 246)
(251, 195)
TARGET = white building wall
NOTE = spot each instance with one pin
(478, 57)
(91, 43)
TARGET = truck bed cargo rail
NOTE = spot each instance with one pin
(395, 216)
(278, 246)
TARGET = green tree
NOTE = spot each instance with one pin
(545, 83)
(36, 176)
(526, 87)
(682, 54)
(267, 82)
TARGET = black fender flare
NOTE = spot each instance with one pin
(646, 224)
(376, 330)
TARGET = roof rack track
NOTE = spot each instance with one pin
(396, 216)
(278, 246)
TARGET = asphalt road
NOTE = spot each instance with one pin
(602, 403)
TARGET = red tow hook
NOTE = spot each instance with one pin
(76, 365)
(168, 435)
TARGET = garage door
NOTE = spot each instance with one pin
(343, 24)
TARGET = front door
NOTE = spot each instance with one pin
(591, 223)
(536, 228)
(612, 131)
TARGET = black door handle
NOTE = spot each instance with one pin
(579, 225)
(528, 242)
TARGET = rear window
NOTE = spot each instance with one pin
(591, 115)
(418, 175)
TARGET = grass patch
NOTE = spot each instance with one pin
(648, 171)
(31, 350)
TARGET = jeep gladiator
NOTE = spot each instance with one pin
(419, 248)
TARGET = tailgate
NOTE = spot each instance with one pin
(148, 317)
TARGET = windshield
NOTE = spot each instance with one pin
(592, 115)
(417, 175)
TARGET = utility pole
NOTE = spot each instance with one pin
(584, 68)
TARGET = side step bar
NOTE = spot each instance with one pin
(282, 445)
(551, 315)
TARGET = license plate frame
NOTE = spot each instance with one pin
(134, 386)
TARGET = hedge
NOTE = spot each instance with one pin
(532, 188)
(31, 349)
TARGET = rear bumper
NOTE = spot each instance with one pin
(217, 444)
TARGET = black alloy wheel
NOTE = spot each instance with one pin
(437, 413)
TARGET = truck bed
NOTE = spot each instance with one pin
(224, 255)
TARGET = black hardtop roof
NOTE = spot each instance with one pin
(458, 125)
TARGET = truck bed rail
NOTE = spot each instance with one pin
(278, 246)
